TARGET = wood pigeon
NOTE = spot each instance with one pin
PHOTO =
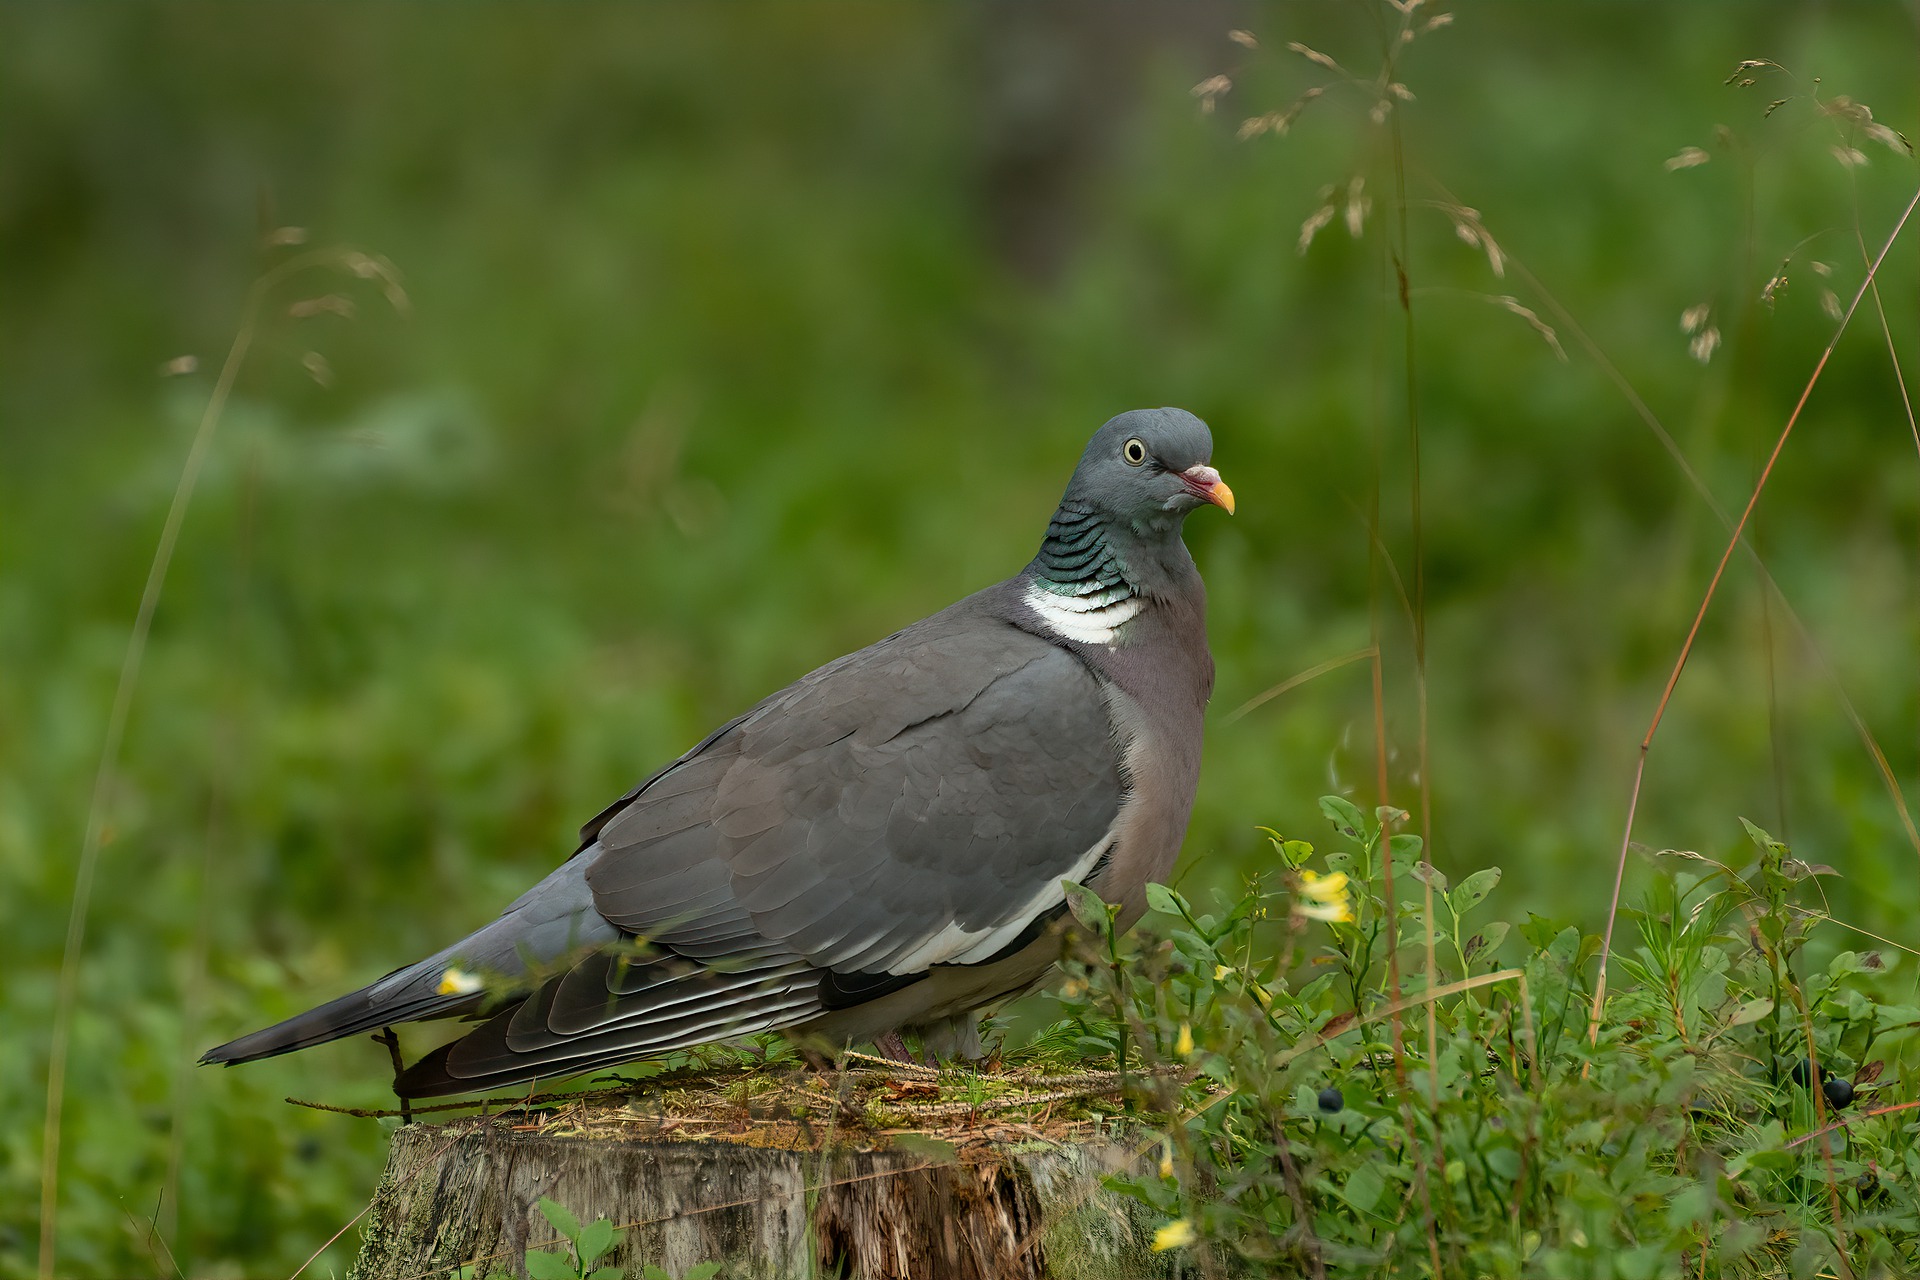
(879, 846)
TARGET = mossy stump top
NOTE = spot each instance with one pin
(878, 1174)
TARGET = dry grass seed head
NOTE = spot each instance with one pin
(1210, 90)
(1316, 221)
(1277, 122)
(1359, 204)
(1316, 57)
(328, 304)
(1532, 317)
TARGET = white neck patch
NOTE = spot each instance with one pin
(1095, 618)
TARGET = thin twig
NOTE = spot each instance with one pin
(1842, 1124)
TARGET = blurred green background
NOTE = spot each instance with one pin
(737, 336)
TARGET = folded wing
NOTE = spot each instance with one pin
(911, 805)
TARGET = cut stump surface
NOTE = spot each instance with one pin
(768, 1203)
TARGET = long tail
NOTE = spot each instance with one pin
(550, 919)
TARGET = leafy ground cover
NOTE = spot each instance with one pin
(1371, 1097)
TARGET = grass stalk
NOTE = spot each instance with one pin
(1706, 601)
(67, 989)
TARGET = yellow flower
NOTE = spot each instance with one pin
(1220, 972)
(1184, 1045)
(1331, 912)
(1166, 1160)
(1177, 1234)
(1323, 897)
(458, 982)
(1327, 888)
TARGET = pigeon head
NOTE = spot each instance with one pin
(1116, 534)
(1145, 470)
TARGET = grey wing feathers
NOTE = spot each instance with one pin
(913, 804)
(896, 810)
(546, 922)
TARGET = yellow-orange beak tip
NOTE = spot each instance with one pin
(1207, 485)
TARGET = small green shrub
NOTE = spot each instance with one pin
(1308, 1122)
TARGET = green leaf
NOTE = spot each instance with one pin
(1750, 1012)
(1472, 891)
(1761, 840)
(1488, 940)
(651, 1272)
(609, 1273)
(1087, 907)
(1364, 1188)
(1427, 873)
(1164, 900)
(1345, 816)
(595, 1239)
(704, 1271)
(561, 1219)
(551, 1264)
(1689, 1206)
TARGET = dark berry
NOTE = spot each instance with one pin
(1803, 1072)
(1331, 1099)
(1839, 1092)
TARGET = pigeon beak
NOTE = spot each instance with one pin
(1208, 486)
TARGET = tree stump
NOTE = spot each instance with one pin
(768, 1201)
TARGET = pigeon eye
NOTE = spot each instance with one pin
(1134, 452)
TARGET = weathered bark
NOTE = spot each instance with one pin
(467, 1192)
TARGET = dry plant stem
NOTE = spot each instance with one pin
(1652, 422)
(1291, 1176)
(1848, 1122)
(1819, 1098)
(1376, 556)
(1880, 310)
(1293, 682)
(1418, 612)
(153, 1238)
(220, 785)
(67, 989)
(1394, 1009)
(1713, 584)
